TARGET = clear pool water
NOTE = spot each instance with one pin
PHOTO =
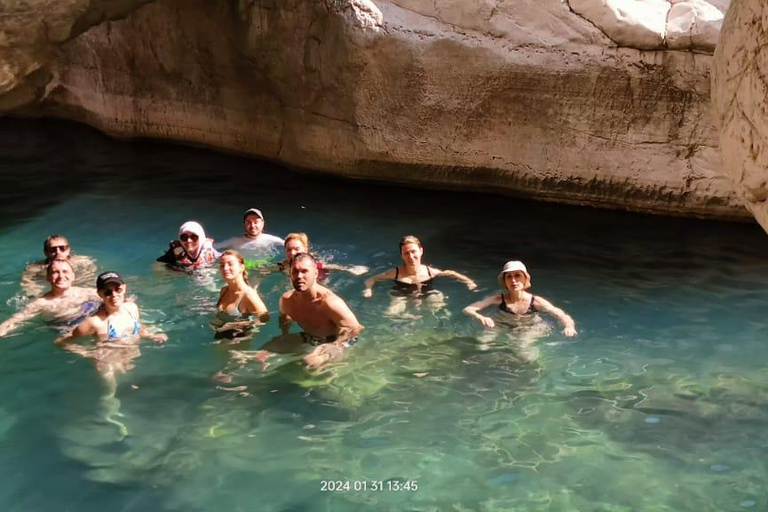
(661, 402)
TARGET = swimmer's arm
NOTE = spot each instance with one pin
(85, 265)
(384, 276)
(569, 326)
(258, 307)
(455, 275)
(266, 270)
(28, 313)
(345, 319)
(357, 270)
(86, 328)
(285, 320)
(474, 309)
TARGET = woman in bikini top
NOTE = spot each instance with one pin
(413, 277)
(514, 279)
(239, 307)
(116, 319)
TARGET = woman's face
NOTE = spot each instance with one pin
(230, 267)
(411, 254)
(190, 242)
(515, 280)
(293, 247)
(113, 295)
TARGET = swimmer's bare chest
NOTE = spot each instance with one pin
(313, 317)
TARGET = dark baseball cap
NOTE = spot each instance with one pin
(108, 278)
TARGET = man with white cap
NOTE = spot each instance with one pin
(254, 240)
(515, 302)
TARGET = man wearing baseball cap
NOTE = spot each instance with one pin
(254, 240)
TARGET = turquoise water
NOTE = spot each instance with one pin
(661, 402)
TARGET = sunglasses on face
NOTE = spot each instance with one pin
(186, 237)
(111, 291)
(58, 248)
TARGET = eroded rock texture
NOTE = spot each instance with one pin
(657, 24)
(740, 100)
(519, 96)
(31, 29)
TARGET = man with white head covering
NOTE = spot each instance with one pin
(192, 250)
(254, 240)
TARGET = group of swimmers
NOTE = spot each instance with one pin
(328, 325)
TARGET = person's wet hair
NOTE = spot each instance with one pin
(303, 256)
(409, 239)
(49, 267)
(301, 237)
(239, 257)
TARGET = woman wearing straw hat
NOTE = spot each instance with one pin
(514, 279)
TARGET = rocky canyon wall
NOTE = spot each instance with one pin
(740, 101)
(569, 102)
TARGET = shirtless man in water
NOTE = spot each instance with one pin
(327, 322)
(64, 303)
(55, 247)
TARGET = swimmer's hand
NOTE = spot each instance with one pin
(472, 285)
(570, 331)
(486, 321)
(159, 337)
(322, 355)
(358, 270)
(367, 293)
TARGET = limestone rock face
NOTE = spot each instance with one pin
(31, 29)
(657, 24)
(520, 96)
(740, 102)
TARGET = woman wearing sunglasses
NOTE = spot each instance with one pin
(117, 328)
(192, 250)
(515, 303)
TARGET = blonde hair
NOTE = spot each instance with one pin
(239, 257)
(301, 237)
(409, 239)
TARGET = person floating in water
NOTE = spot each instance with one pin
(192, 250)
(254, 241)
(64, 303)
(296, 243)
(239, 309)
(515, 302)
(413, 280)
(55, 247)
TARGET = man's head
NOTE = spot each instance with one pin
(303, 272)
(253, 222)
(56, 247)
(60, 274)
